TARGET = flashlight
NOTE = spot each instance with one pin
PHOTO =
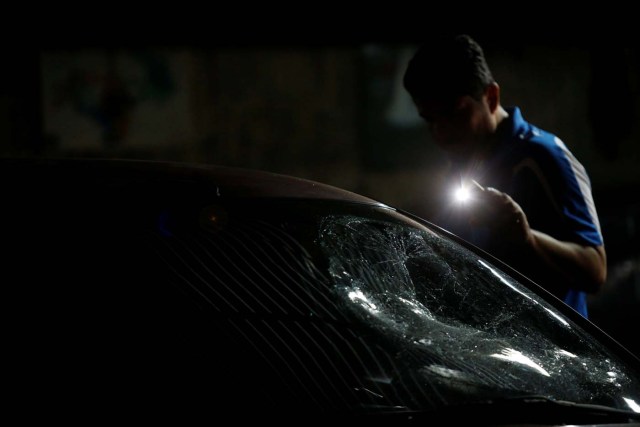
(464, 192)
(477, 185)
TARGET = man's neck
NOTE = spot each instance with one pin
(495, 137)
(500, 115)
(488, 143)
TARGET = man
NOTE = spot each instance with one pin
(533, 208)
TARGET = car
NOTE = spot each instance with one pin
(141, 290)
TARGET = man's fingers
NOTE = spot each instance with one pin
(500, 212)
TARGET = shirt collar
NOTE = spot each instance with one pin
(514, 125)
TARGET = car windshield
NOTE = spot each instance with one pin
(360, 307)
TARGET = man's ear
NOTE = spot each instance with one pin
(492, 93)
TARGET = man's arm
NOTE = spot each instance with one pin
(580, 266)
(583, 267)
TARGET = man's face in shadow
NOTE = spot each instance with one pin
(459, 125)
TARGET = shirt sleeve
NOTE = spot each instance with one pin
(554, 190)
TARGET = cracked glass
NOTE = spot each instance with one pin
(457, 328)
(362, 308)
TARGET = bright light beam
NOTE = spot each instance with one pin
(462, 194)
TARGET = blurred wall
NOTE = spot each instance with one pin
(282, 110)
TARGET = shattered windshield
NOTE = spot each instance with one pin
(360, 307)
(458, 328)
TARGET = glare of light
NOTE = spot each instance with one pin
(503, 280)
(515, 356)
(446, 372)
(462, 194)
(381, 380)
(358, 297)
(367, 391)
(565, 353)
(418, 309)
(557, 316)
(506, 282)
(632, 404)
(612, 378)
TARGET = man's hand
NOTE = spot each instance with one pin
(579, 265)
(501, 214)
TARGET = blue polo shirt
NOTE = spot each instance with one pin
(540, 173)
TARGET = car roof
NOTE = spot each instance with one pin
(226, 182)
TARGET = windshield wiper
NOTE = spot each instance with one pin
(521, 409)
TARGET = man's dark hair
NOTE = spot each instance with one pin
(446, 69)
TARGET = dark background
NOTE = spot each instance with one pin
(324, 101)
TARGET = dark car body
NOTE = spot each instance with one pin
(159, 289)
